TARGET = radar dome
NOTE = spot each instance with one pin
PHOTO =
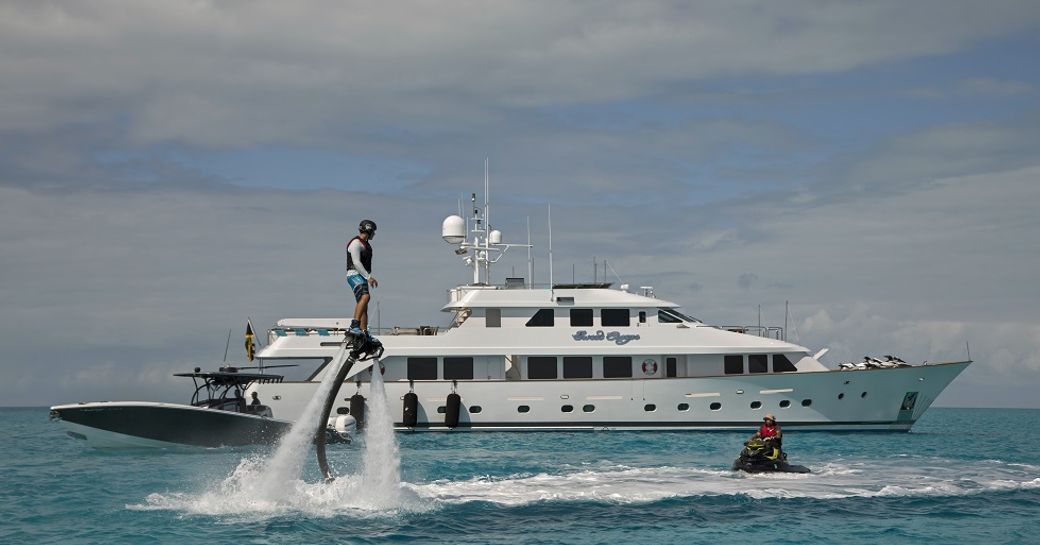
(495, 237)
(453, 230)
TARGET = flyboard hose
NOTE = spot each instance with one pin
(361, 349)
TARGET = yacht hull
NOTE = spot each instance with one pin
(128, 424)
(870, 400)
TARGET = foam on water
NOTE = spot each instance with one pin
(271, 486)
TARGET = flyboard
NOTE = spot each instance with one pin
(355, 349)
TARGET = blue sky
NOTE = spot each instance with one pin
(168, 169)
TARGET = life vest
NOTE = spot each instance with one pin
(768, 431)
(366, 255)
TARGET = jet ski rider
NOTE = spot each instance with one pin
(771, 434)
(359, 274)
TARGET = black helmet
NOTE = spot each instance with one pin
(367, 226)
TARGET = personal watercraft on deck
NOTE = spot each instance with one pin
(765, 456)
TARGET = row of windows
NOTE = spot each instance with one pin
(650, 407)
(757, 363)
(608, 317)
(455, 368)
(545, 368)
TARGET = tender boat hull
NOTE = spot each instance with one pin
(122, 424)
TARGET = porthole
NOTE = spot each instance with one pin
(343, 410)
(806, 402)
(863, 395)
(683, 407)
(715, 406)
(567, 408)
(442, 409)
(841, 395)
(523, 409)
(649, 407)
(588, 408)
(785, 403)
(476, 409)
(755, 405)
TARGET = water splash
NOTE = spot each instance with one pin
(381, 469)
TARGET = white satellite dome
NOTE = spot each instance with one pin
(495, 237)
(453, 230)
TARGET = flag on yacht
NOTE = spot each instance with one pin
(250, 343)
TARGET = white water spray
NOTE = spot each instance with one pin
(381, 467)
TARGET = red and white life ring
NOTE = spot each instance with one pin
(649, 367)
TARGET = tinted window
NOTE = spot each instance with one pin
(493, 318)
(567, 408)
(617, 367)
(588, 408)
(458, 368)
(442, 409)
(669, 365)
(577, 367)
(734, 365)
(715, 406)
(782, 365)
(422, 368)
(541, 367)
(476, 409)
(614, 317)
(785, 404)
(665, 317)
(756, 404)
(649, 407)
(581, 317)
(642, 316)
(542, 318)
(523, 409)
(806, 402)
(684, 407)
(757, 363)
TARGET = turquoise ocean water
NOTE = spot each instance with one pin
(962, 476)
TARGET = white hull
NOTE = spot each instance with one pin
(872, 401)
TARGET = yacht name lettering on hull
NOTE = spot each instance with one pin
(616, 336)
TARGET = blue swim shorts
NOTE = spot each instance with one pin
(358, 284)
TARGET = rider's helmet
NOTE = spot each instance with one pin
(367, 226)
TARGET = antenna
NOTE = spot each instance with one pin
(787, 305)
(616, 275)
(595, 270)
(228, 345)
(550, 250)
(530, 261)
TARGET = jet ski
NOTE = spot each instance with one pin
(765, 456)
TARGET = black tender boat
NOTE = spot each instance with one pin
(217, 416)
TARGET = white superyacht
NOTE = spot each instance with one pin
(591, 357)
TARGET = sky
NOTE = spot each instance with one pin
(170, 169)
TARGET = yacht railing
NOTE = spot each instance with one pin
(769, 332)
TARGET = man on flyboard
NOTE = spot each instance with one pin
(359, 275)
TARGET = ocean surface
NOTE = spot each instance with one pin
(961, 476)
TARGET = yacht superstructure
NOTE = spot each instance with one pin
(589, 356)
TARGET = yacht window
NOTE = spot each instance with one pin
(617, 367)
(541, 367)
(734, 365)
(567, 408)
(542, 318)
(342, 410)
(577, 367)
(422, 368)
(642, 316)
(715, 406)
(785, 403)
(581, 317)
(806, 402)
(614, 317)
(493, 317)
(458, 368)
(669, 367)
(755, 405)
(442, 409)
(667, 317)
(683, 407)
(588, 408)
(757, 363)
(782, 365)
(649, 407)
(523, 409)
(476, 409)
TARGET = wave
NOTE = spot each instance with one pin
(615, 484)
